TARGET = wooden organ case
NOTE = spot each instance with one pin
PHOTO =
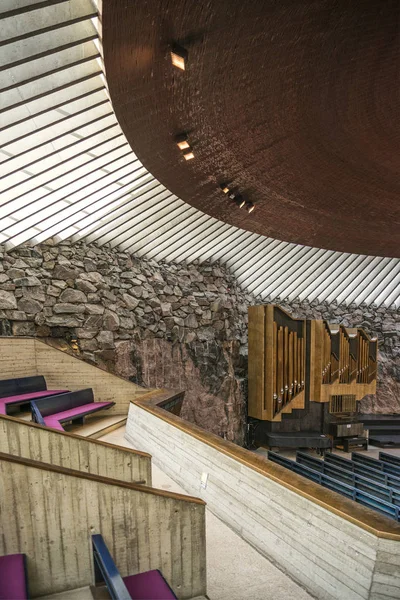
(307, 376)
(276, 362)
(343, 361)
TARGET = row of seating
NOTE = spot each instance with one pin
(150, 585)
(51, 408)
(20, 392)
(356, 478)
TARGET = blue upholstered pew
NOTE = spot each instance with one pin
(13, 577)
(150, 585)
(65, 408)
(20, 391)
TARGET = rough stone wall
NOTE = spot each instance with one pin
(164, 325)
(160, 325)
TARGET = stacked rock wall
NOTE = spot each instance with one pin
(163, 325)
(160, 325)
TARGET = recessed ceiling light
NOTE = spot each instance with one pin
(250, 207)
(188, 155)
(179, 57)
(240, 201)
(181, 141)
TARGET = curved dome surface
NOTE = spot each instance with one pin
(295, 104)
(68, 172)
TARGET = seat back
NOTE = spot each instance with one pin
(22, 385)
(56, 404)
(13, 578)
(106, 571)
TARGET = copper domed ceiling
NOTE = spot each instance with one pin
(294, 104)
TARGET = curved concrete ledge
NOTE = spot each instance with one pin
(363, 517)
(334, 547)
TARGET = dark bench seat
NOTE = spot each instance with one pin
(72, 406)
(54, 421)
(22, 390)
(150, 585)
(26, 399)
(13, 578)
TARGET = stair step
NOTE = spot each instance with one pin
(371, 421)
(385, 441)
(100, 592)
(383, 429)
(97, 426)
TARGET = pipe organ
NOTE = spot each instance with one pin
(342, 362)
(277, 367)
(293, 361)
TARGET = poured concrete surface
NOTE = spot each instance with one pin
(85, 593)
(235, 570)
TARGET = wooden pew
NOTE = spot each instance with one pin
(20, 391)
(64, 408)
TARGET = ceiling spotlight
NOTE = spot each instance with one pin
(250, 207)
(188, 155)
(224, 188)
(179, 57)
(181, 141)
(240, 201)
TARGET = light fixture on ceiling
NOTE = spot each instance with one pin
(250, 207)
(240, 201)
(224, 188)
(181, 141)
(188, 155)
(179, 57)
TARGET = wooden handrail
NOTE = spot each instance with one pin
(28, 462)
(74, 435)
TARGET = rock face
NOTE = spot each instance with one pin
(164, 325)
(160, 325)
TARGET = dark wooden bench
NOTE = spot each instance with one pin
(13, 577)
(19, 392)
(150, 585)
(359, 443)
(65, 408)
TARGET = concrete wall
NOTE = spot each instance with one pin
(49, 513)
(22, 357)
(332, 557)
(73, 452)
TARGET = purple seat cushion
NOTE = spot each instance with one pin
(21, 398)
(12, 577)
(54, 421)
(150, 585)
